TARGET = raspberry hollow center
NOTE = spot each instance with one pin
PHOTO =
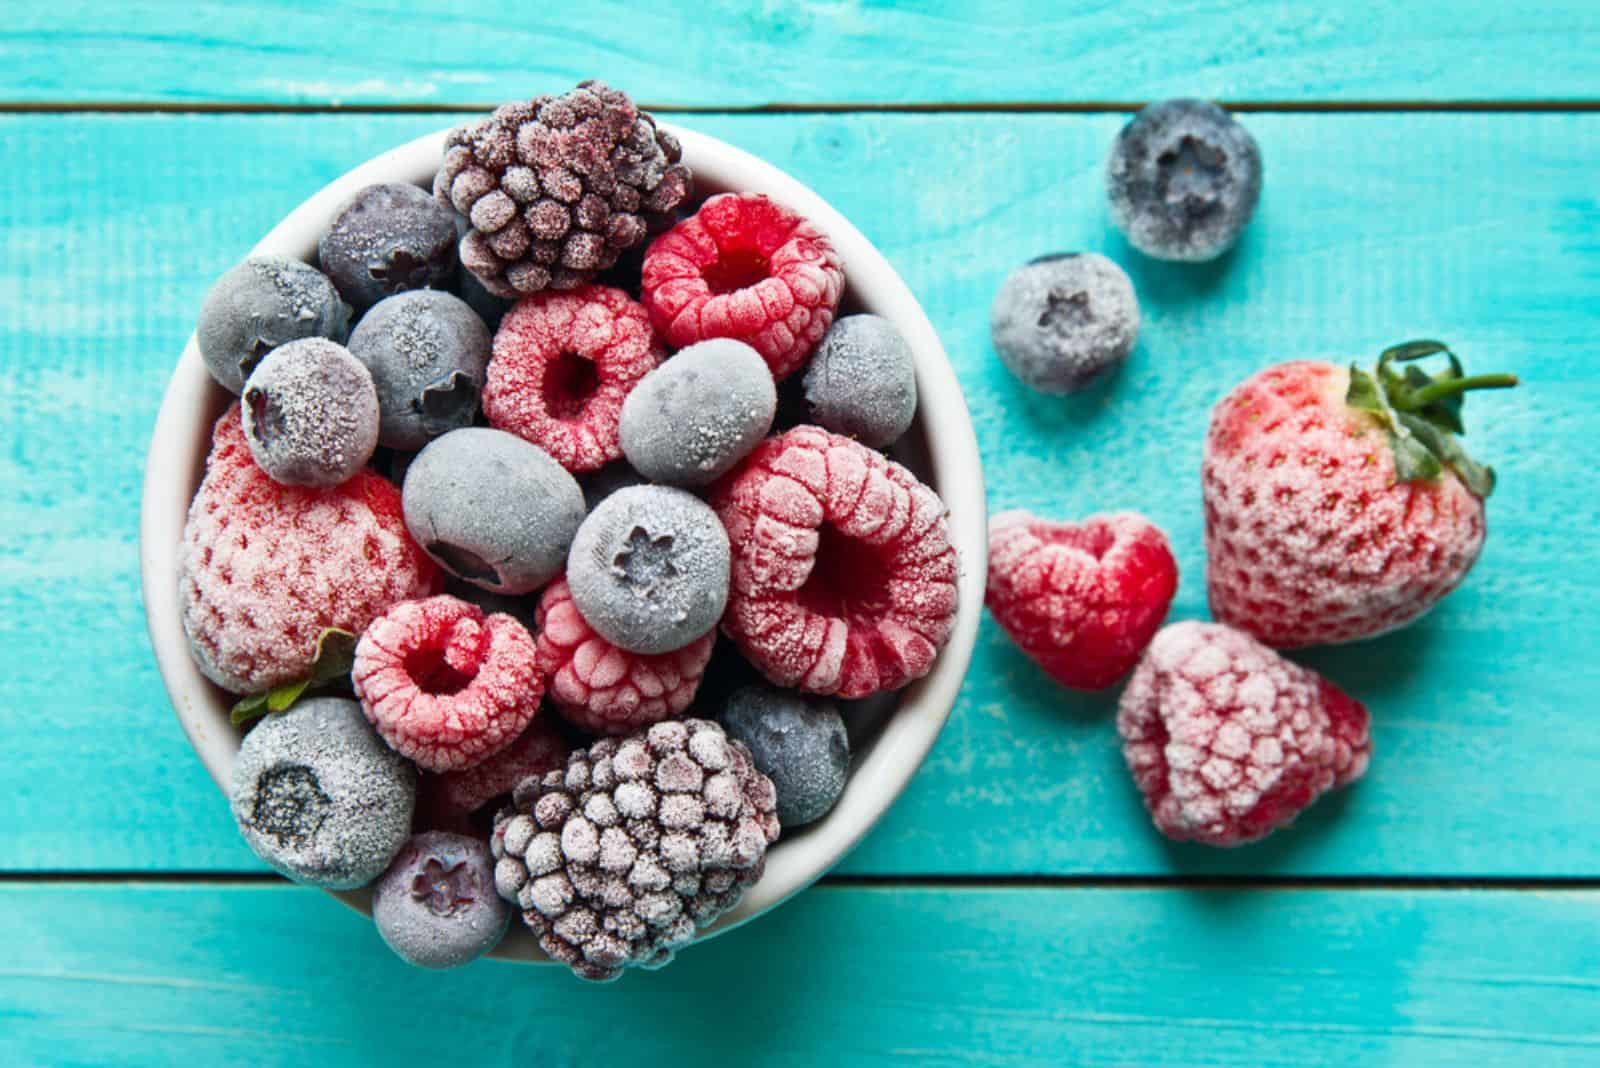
(736, 269)
(1095, 539)
(569, 383)
(849, 580)
(433, 674)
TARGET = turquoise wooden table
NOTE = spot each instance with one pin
(1430, 170)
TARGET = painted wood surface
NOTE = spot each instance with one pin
(268, 975)
(728, 53)
(1477, 228)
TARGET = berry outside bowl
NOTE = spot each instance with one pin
(941, 447)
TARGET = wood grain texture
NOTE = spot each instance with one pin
(1479, 229)
(728, 53)
(263, 975)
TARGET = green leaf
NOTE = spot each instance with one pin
(335, 655)
(1478, 477)
(1412, 350)
(1363, 393)
(1412, 460)
(282, 698)
(248, 708)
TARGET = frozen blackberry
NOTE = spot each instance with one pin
(1184, 179)
(619, 858)
(492, 509)
(318, 796)
(649, 569)
(557, 187)
(689, 421)
(262, 303)
(1061, 322)
(389, 238)
(310, 414)
(427, 351)
(862, 382)
(798, 743)
(436, 906)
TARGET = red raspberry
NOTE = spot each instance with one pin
(562, 364)
(456, 795)
(843, 578)
(446, 685)
(266, 568)
(748, 268)
(1228, 741)
(608, 690)
(1082, 600)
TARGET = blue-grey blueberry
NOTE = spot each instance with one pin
(862, 380)
(437, 906)
(797, 742)
(310, 413)
(1060, 322)
(386, 239)
(689, 421)
(427, 351)
(264, 302)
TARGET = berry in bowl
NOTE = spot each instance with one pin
(528, 517)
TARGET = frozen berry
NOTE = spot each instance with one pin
(649, 569)
(1228, 741)
(748, 268)
(692, 419)
(427, 352)
(862, 382)
(1062, 322)
(1183, 178)
(844, 578)
(601, 484)
(446, 685)
(265, 302)
(310, 413)
(604, 689)
(266, 568)
(1082, 600)
(555, 188)
(436, 906)
(319, 797)
(798, 743)
(492, 509)
(389, 238)
(562, 364)
(538, 749)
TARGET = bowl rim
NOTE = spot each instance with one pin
(179, 443)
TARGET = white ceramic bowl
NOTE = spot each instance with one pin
(941, 447)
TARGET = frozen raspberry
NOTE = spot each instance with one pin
(446, 685)
(748, 268)
(265, 568)
(563, 363)
(1082, 600)
(843, 578)
(605, 689)
(537, 750)
(1228, 741)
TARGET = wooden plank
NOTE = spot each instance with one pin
(263, 975)
(1476, 228)
(725, 53)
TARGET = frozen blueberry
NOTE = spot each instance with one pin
(387, 239)
(310, 413)
(798, 743)
(262, 303)
(437, 906)
(862, 380)
(1183, 178)
(1060, 322)
(427, 351)
(492, 509)
(319, 797)
(692, 419)
(649, 569)
(603, 483)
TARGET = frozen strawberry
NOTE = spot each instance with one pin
(445, 684)
(265, 568)
(606, 689)
(744, 267)
(843, 578)
(1228, 741)
(453, 796)
(562, 364)
(1339, 503)
(1082, 600)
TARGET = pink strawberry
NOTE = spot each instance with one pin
(265, 568)
(1339, 503)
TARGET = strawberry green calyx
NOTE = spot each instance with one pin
(1422, 412)
(336, 651)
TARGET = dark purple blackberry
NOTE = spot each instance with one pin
(558, 187)
(389, 238)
